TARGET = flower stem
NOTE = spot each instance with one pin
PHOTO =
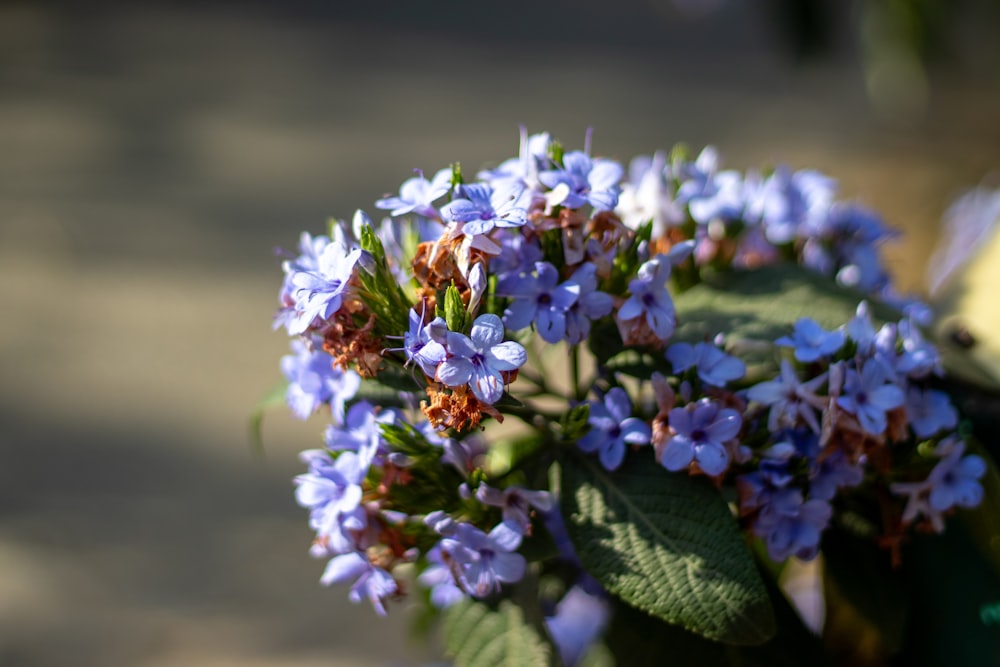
(574, 369)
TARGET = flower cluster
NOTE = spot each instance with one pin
(419, 332)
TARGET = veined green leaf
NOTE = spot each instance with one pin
(478, 635)
(759, 306)
(667, 544)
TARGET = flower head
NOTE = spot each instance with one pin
(479, 359)
(539, 299)
(417, 195)
(700, 433)
(485, 561)
(313, 381)
(714, 367)
(482, 208)
(613, 428)
(811, 341)
(584, 181)
(869, 395)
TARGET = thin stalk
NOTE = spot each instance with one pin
(574, 369)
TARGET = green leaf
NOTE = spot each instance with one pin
(272, 399)
(576, 422)
(759, 306)
(481, 636)
(667, 544)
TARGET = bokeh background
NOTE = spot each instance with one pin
(152, 156)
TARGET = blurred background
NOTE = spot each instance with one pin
(153, 155)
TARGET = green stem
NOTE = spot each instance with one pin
(574, 369)
(535, 378)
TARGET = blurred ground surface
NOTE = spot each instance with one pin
(152, 157)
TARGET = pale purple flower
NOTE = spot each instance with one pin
(790, 399)
(791, 525)
(484, 562)
(585, 181)
(317, 293)
(708, 193)
(518, 256)
(869, 395)
(439, 578)
(796, 204)
(482, 208)
(701, 431)
(579, 620)
(591, 304)
(313, 381)
(420, 347)
(516, 503)
(919, 357)
(714, 367)
(650, 298)
(361, 432)
(331, 491)
(811, 341)
(417, 195)
(861, 330)
(646, 196)
(369, 581)
(953, 482)
(542, 300)
(613, 429)
(532, 157)
(479, 359)
(929, 411)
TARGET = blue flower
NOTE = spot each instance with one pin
(700, 433)
(714, 367)
(420, 347)
(612, 428)
(541, 300)
(331, 491)
(417, 195)
(516, 503)
(790, 399)
(579, 620)
(811, 341)
(953, 482)
(708, 193)
(796, 204)
(591, 305)
(370, 581)
(480, 359)
(646, 196)
(791, 525)
(919, 357)
(532, 157)
(317, 292)
(485, 561)
(869, 395)
(651, 298)
(929, 412)
(361, 432)
(518, 256)
(585, 181)
(313, 381)
(481, 208)
(439, 578)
